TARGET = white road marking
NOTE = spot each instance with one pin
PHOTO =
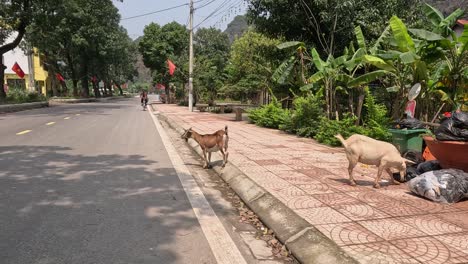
(67, 117)
(50, 123)
(222, 246)
(23, 132)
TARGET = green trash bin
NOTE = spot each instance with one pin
(407, 139)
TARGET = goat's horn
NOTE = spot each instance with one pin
(409, 161)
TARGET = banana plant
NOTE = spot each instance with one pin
(285, 72)
(442, 25)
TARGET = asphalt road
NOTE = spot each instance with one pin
(92, 183)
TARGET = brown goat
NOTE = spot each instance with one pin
(217, 141)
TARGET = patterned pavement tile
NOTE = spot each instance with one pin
(458, 218)
(431, 224)
(425, 249)
(277, 168)
(267, 162)
(458, 246)
(296, 178)
(429, 206)
(335, 199)
(303, 202)
(369, 196)
(316, 187)
(390, 229)
(360, 211)
(313, 172)
(379, 253)
(397, 208)
(348, 234)
(289, 191)
(322, 215)
(462, 206)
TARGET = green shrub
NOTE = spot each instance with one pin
(20, 95)
(329, 128)
(305, 119)
(270, 115)
(376, 120)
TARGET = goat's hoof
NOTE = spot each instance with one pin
(377, 186)
(396, 182)
(353, 183)
(210, 167)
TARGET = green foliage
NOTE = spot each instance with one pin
(20, 95)
(376, 119)
(304, 120)
(329, 128)
(212, 51)
(252, 61)
(270, 115)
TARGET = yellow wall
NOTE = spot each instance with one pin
(39, 74)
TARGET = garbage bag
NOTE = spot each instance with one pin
(410, 123)
(460, 119)
(447, 131)
(431, 165)
(411, 173)
(414, 156)
(443, 186)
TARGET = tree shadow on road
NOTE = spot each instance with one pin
(59, 207)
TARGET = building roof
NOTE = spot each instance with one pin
(15, 55)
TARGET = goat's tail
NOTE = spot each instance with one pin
(341, 139)
(226, 130)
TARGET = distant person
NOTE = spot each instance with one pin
(144, 98)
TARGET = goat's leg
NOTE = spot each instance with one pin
(379, 174)
(352, 164)
(209, 159)
(389, 171)
(205, 166)
(224, 157)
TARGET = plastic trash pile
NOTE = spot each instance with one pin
(443, 186)
(453, 128)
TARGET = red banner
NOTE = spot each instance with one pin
(17, 69)
(171, 67)
(59, 77)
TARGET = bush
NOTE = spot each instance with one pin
(270, 115)
(376, 120)
(305, 119)
(19, 95)
(329, 128)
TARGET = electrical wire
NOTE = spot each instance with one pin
(155, 12)
(212, 13)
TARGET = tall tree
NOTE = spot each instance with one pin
(327, 25)
(159, 44)
(212, 53)
(15, 16)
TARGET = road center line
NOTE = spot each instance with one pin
(23, 132)
(77, 114)
(67, 117)
(222, 246)
(50, 123)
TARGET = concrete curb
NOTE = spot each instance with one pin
(21, 107)
(306, 243)
(84, 100)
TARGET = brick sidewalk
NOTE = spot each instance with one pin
(388, 225)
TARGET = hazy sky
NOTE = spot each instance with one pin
(222, 12)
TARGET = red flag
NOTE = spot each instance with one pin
(160, 86)
(171, 66)
(94, 79)
(17, 69)
(59, 77)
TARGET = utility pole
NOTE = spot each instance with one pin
(191, 58)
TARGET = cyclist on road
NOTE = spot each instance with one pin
(144, 98)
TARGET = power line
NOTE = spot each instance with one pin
(212, 13)
(154, 12)
(205, 4)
